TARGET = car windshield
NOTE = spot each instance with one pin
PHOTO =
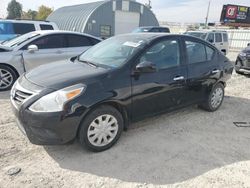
(113, 52)
(197, 34)
(19, 40)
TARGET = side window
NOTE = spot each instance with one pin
(225, 37)
(196, 52)
(210, 53)
(46, 27)
(155, 30)
(210, 37)
(50, 42)
(218, 37)
(22, 28)
(164, 54)
(94, 41)
(78, 41)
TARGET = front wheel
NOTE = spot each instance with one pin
(7, 78)
(101, 129)
(214, 99)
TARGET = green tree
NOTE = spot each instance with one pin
(14, 10)
(30, 14)
(43, 12)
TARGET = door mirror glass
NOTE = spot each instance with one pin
(146, 67)
(32, 48)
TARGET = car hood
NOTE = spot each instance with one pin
(63, 74)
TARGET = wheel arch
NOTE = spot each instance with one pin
(118, 106)
(13, 68)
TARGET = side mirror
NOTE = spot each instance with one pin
(248, 44)
(146, 67)
(32, 48)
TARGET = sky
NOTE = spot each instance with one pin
(184, 11)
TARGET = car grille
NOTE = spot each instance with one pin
(20, 96)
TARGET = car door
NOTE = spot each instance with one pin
(51, 48)
(77, 44)
(163, 89)
(203, 69)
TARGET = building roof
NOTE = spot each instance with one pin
(74, 16)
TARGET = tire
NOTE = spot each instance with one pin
(7, 77)
(103, 122)
(216, 94)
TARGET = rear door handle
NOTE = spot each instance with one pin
(215, 71)
(59, 51)
(178, 78)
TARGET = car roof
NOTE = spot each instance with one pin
(25, 21)
(206, 31)
(47, 32)
(150, 27)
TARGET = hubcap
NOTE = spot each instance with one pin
(6, 79)
(217, 97)
(102, 130)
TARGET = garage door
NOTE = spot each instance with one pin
(126, 22)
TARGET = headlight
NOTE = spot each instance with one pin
(242, 54)
(54, 102)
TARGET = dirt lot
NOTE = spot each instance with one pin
(187, 148)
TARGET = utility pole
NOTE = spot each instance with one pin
(208, 9)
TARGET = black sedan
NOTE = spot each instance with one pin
(97, 95)
(242, 64)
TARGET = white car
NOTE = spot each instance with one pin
(216, 37)
(30, 50)
(13, 28)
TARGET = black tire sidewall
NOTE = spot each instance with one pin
(82, 135)
(219, 85)
(12, 72)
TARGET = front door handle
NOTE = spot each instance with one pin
(178, 78)
(215, 71)
(59, 51)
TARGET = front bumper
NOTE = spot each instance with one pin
(242, 64)
(45, 128)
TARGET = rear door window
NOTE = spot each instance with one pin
(218, 37)
(22, 28)
(78, 41)
(198, 52)
(46, 27)
(225, 37)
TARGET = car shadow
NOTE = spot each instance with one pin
(170, 148)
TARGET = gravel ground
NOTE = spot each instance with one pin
(186, 148)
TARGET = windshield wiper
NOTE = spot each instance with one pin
(88, 62)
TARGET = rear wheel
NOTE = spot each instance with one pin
(7, 77)
(101, 129)
(214, 99)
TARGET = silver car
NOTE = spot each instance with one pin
(30, 50)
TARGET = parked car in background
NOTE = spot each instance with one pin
(120, 80)
(12, 28)
(215, 37)
(152, 29)
(242, 64)
(30, 50)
